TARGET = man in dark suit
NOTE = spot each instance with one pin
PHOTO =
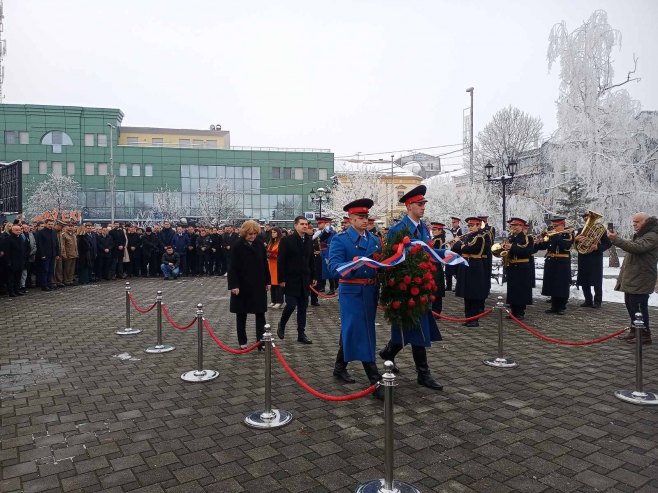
(47, 252)
(296, 272)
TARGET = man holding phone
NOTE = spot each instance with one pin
(638, 273)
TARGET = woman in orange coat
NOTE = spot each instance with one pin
(272, 255)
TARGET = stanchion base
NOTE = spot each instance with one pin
(635, 397)
(275, 419)
(127, 331)
(164, 348)
(501, 362)
(377, 486)
(199, 376)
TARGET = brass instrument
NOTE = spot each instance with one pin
(498, 250)
(592, 231)
(546, 235)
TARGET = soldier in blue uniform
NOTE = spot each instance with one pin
(358, 295)
(429, 331)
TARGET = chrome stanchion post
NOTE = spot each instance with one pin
(159, 347)
(268, 417)
(500, 361)
(638, 396)
(388, 484)
(127, 330)
(199, 375)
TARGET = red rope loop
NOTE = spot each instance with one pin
(224, 346)
(314, 392)
(451, 319)
(320, 295)
(138, 308)
(565, 343)
(174, 324)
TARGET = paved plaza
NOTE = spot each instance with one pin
(86, 410)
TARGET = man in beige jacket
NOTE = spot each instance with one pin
(69, 253)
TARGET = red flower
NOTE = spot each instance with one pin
(395, 305)
(418, 280)
(432, 297)
(414, 291)
(407, 279)
(391, 282)
(411, 303)
(414, 249)
(402, 286)
(434, 288)
(423, 299)
(427, 287)
(433, 267)
(428, 275)
(406, 240)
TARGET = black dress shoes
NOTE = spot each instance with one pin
(586, 303)
(472, 323)
(557, 312)
(429, 382)
(315, 303)
(304, 340)
(596, 305)
(280, 330)
(343, 375)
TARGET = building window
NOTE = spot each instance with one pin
(123, 169)
(400, 194)
(89, 140)
(10, 137)
(322, 175)
(23, 137)
(184, 142)
(299, 173)
(102, 169)
(197, 143)
(287, 173)
(43, 167)
(276, 173)
(157, 141)
(102, 140)
(89, 169)
(133, 140)
(312, 174)
(211, 144)
(136, 170)
(148, 170)
(26, 167)
(57, 169)
(70, 169)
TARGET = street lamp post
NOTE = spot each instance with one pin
(322, 195)
(112, 177)
(470, 90)
(506, 178)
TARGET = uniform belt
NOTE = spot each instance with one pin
(367, 282)
(559, 255)
(471, 255)
(519, 260)
(316, 253)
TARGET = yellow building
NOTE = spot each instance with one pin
(215, 138)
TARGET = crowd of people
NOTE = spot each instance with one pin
(299, 264)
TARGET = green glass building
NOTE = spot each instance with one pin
(90, 145)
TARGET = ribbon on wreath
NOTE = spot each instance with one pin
(445, 257)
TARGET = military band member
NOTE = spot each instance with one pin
(451, 270)
(471, 280)
(438, 241)
(323, 236)
(557, 265)
(525, 228)
(519, 248)
(490, 237)
(429, 331)
(358, 295)
(590, 269)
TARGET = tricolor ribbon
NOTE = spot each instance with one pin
(446, 257)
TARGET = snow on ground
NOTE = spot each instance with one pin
(609, 280)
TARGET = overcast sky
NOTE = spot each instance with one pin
(353, 76)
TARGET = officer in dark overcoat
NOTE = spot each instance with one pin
(438, 242)
(590, 269)
(471, 280)
(519, 247)
(451, 270)
(490, 238)
(557, 265)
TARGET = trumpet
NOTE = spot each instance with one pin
(547, 235)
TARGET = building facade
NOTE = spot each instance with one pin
(90, 145)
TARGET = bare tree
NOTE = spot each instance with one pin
(218, 202)
(57, 192)
(168, 204)
(357, 183)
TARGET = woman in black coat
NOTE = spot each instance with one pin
(249, 280)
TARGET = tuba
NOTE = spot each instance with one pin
(592, 231)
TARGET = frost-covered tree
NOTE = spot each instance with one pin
(56, 192)
(366, 181)
(574, 201)
(218, 203)
(168, 204)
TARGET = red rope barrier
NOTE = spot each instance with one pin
(475, 317)
(565, 343)
(320, 295)
(174, 324)
(224, 346)
(314, 392)
(138, 308)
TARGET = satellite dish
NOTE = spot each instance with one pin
(212, 127)
(218, 127)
